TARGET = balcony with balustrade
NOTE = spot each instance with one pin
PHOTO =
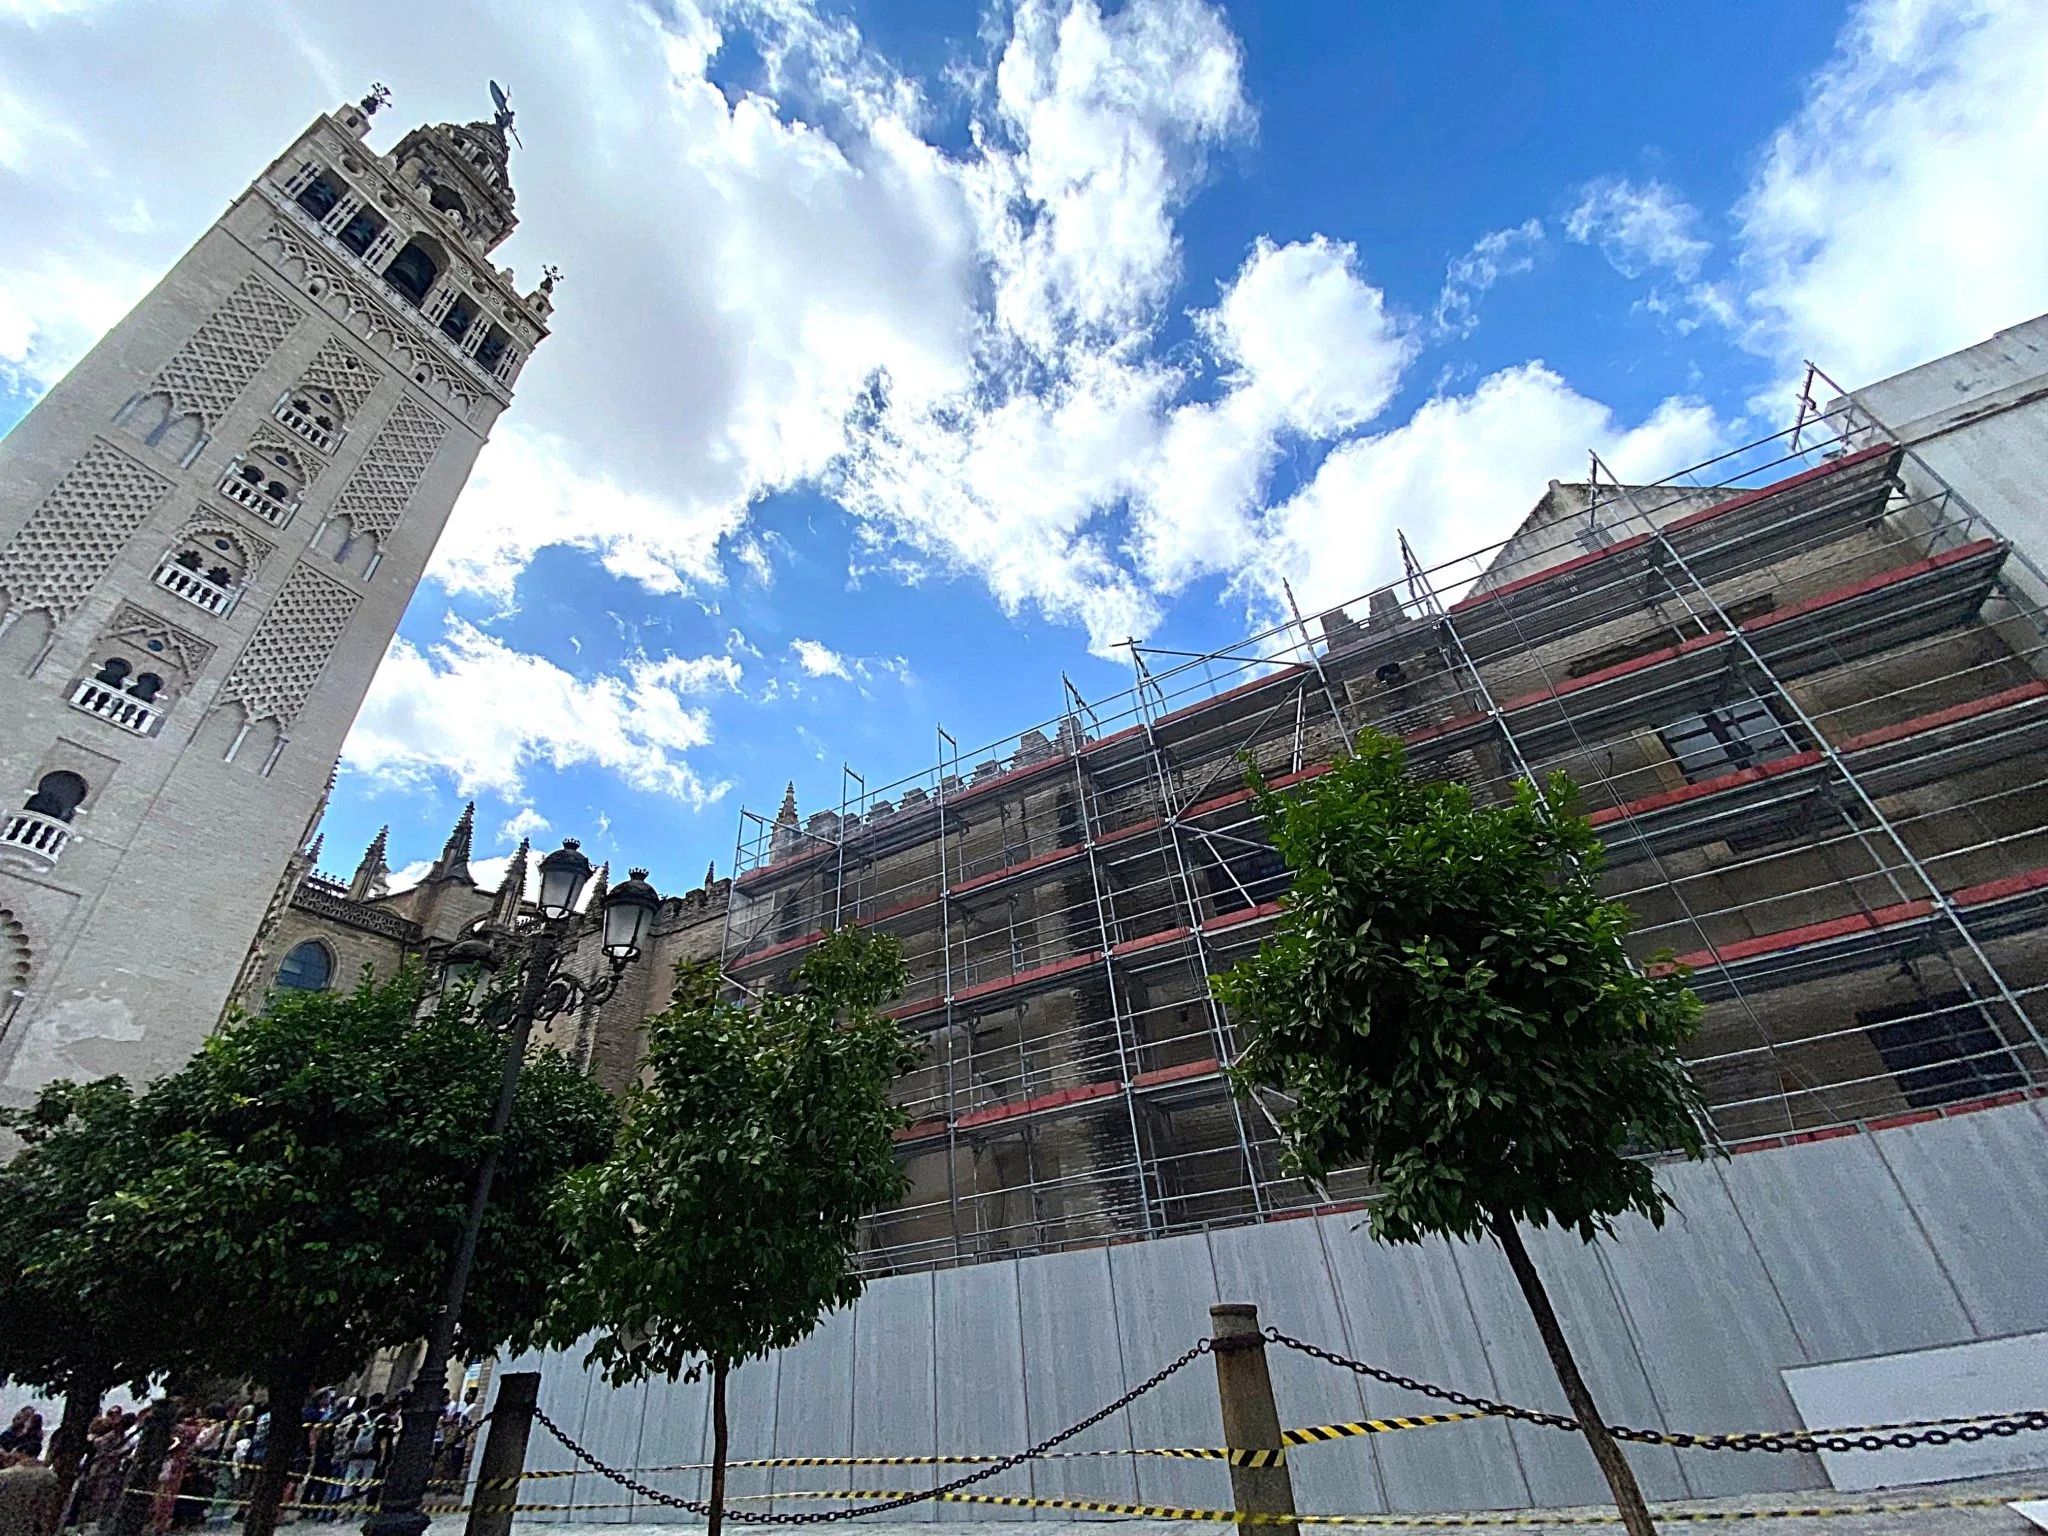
(116, 706)
(196, 588)
(258, 496)
(296, 414)
(33, 833)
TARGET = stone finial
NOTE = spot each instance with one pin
(786, 817)
(505, 910)
(313, 849)
(710, 874)
(454, 861)
(373, 875)
(593, 909)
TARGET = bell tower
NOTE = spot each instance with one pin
(209, 530)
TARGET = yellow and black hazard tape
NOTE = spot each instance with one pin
(1313, 1433)
(1505, 1518)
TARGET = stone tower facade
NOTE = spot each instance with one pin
(208, 532)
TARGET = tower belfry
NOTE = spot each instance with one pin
(209, 529)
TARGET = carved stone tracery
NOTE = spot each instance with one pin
(209, 372)
(290, 649)
(65, 547)
(384, 484)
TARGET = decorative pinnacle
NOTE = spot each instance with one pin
(710, 874)
(787, 815)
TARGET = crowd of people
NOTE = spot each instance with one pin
(338, 1462)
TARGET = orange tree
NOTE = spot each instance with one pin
(725, 1222)
(1447, 1001)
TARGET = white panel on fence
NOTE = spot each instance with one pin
(895, 1405)
(1559, 1467)
(1979, 1183)
(980, 1376)
(1405, 1309)
(1833, 1228)
(676, 1431)
(750, 1397)
(814, 1410)
(1282, 1271)
(1712, 1332)
(611, 1430)
(1163, 1291)
(1073, 1365)
(1990, 1376)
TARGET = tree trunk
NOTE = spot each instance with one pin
(288, 1387)
(152, 1446)
(67, 1446)
(716, 1520)
(1621, 1478)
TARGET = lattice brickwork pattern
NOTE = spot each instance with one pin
(377, 495)
(69, 541)
(209, 373)
(290, 648)
(342, 374)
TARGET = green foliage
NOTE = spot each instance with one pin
(1447, 1001)
(71, 1319)
(724, 1225)
(309, 1173)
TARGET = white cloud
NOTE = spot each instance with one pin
(1898, 216)
(1494, 255)
(1639, 226)
(1309, 350)
(819, 660)
(473, 709)
(526, 822)
(1458, 476)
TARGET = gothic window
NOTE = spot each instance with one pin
(1738, 735)
(58, 795)
(307, 968)
(361, 232)
(491, 348)
(412, 272)
(448, 201)
(155, 421)
(456, 323)
(319, 196)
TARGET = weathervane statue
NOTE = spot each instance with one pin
(503, 116)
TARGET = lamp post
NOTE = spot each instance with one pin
(535, 949)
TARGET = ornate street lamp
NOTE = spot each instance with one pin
(533, 951)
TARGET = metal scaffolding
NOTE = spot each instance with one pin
(1801, 686)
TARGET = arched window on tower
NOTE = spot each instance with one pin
(315, 414)
(456, 323)
(308, 967)
(43, 825)
(267, 480)
(206, 568)
(319, 195)
(412, 272)
(121, 695)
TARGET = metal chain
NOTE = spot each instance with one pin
(821, 1517)
(1906, 1435)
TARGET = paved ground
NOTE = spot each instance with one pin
(1875, 1517)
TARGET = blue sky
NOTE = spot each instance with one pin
(912, 353)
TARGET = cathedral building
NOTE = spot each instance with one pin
(209, 529)
(322, 932)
